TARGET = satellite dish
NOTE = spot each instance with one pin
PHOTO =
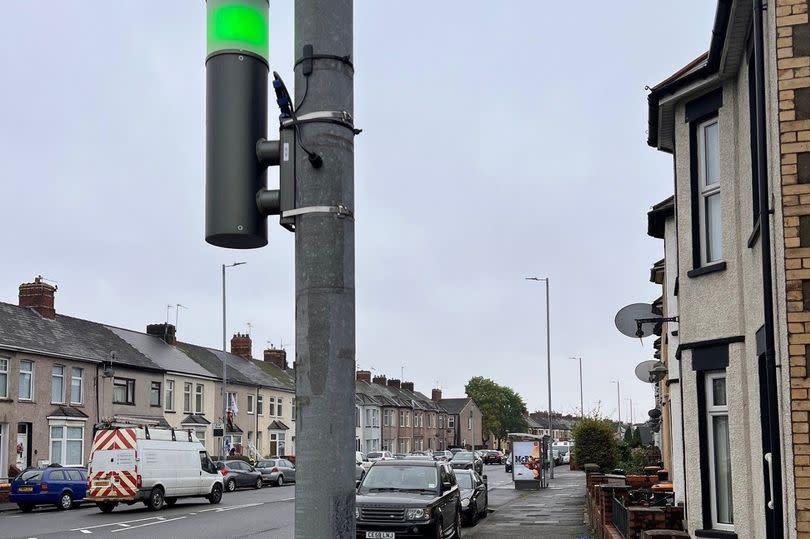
(627, 320)
(655, 413)
(650, 371)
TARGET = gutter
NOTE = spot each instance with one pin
(771, 368)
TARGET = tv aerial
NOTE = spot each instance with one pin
(640, 320)
(651, 371)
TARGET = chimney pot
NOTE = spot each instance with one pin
(38, 296)
(380, 380)
(364, 376)
(393, 382)
(408, 386)
(436, 395)
(276, 357)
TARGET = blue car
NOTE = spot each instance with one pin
(63, 487)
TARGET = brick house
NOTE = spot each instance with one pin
(737, 459)
(465, 422)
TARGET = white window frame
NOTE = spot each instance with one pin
(293, 408)
(4, 364)
(80, 378)
(30, 374)
(250, 404)
(713, 411)
(259, 405)
(451, 422)
(188, 398)
(279, 405)
(64, 425)
(271, 406)
(61, 381)
(706, 191)
(168, 398)
(199, 399)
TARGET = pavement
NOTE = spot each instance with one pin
(556, 512)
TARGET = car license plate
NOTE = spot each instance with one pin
(25, 489)
(102, 483)
(380, 535)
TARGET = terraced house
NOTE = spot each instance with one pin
(60, 376)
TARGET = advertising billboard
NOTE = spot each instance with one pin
(527, 464)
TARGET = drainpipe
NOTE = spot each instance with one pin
(775, 461)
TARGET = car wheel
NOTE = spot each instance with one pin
(106, 507)
(216, 494)
(280, 481)
(26, 507)
(155, 502)
(65, 501)
(171, 501)
(230, 485)
(259, 482)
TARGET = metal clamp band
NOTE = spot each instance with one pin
(338, 117)
(340, 211)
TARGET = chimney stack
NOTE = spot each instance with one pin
(38, 296)
(408, 386)
(364, 376)
(276, 357)
(380, 380)
(436, 395)
(241, 345)
(163, 331)
(393, 382)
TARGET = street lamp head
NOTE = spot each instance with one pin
(537, 278)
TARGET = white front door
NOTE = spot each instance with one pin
(22, 446)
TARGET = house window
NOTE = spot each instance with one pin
(271, 406)
(76, 385)
(356, 417)
(123, 391)
(441, 421)
(719, 452)
(26, 380)
(451, 422)
(278, 408)
(293, 409)
(67, 445)
(369, 421)
(389, 419)
(250, 404)
(233, 403)
(201, 436)
(752, 126)
(259, 441)
(469, 423)
(154, 394)
(711, 231)
(187, 397)
(199, 400)
(58, 384)
(3, 378)
(277, 443)
(376, 416)
(259, 409)
(169, 398)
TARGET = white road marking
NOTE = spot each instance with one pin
(85, 531)
(112, 524)
(161, 521)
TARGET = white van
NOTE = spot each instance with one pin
(150, 465)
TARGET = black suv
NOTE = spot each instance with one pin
(408, 498)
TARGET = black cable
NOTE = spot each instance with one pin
(345, 59)
(306, 91)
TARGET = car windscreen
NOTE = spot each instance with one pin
(463, 457)
(374, 455)
(31, 475)
(464, 480)
(266, 464)
(406, 478)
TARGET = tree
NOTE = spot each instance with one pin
(502, 409)
(595, 442)
(628, 436)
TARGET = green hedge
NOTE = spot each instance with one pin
(595, 442)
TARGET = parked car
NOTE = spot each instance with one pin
(399, 456)
(417, 498)
(362, 464)
(238, 473)
(493, 457)
(276, 471)
(63, 487)
(464, 460)
(442, 455)
(374, 456)
(455, 450)
(152, 465)
(474, 495)
(508, 463)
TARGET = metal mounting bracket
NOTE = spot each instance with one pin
(337, 117)
(340, 211)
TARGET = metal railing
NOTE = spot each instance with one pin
(620, 520)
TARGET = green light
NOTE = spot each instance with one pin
(238, 25)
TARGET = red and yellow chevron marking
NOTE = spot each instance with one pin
(118, 484)
(114, 439)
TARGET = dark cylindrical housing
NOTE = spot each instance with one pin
(236, 119)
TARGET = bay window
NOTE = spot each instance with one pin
(67, 445)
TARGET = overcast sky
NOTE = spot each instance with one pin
(501, 140)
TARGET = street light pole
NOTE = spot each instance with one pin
(225, 402)
(548, 363)
(581, 401)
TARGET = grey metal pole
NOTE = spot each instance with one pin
(224, 371)
(324, 276)
(581, 400)
(548, 360)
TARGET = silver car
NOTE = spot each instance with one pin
(276, 471)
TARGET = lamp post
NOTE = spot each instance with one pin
(548, 359)
(225, 403)
(618, 399)
(581, 401)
